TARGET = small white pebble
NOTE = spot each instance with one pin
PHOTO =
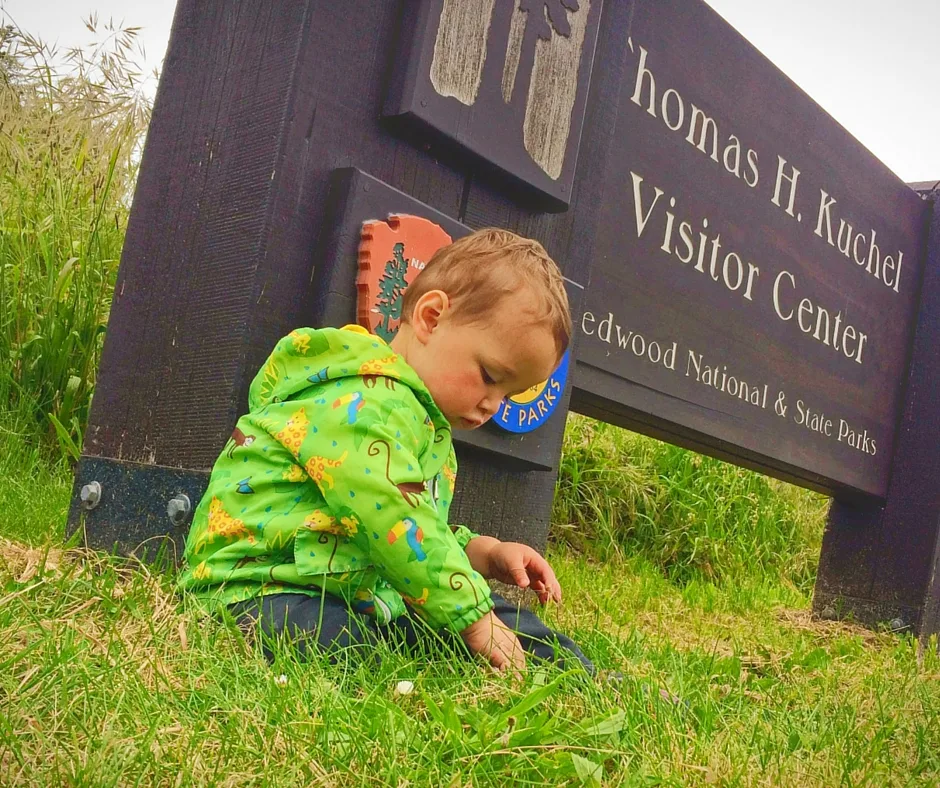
(281, 680)
(404, 687)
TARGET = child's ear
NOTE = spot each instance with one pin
(428, 312)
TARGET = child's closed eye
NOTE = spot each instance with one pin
(487, 378)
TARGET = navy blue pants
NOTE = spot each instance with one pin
(325, 623)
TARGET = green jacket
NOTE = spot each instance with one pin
(339, 478)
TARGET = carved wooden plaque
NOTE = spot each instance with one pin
(506, 79)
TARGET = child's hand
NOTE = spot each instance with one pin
(519, 565)
(492, 639)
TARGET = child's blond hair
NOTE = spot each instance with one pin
(481, 269)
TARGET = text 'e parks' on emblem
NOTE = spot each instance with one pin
(530, 409)
(391, 255)
(506, 80)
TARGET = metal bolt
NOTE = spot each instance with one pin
(179, 509)
(90, 495)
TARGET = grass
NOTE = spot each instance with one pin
(34, 490)
(70, 127)
(687, 578)
(695, 517)
(107, 678)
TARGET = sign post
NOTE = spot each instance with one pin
(881, 561)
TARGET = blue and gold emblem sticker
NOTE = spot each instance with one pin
(530, 409)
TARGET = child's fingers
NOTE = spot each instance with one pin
(507, 644)
(491, 638)
(519, 576)
(544, 594)
(515, 662)
(539, 567)
(549, 594)
(507, 655)
(542, 573)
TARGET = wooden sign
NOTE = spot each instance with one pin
(757, 271)
(506, 80)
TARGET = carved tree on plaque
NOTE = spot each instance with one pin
(392, 287)
(540, 53)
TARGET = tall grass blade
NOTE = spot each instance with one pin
(71, 130)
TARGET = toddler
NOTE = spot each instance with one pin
(325, 518)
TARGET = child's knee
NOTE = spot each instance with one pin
(310, 625)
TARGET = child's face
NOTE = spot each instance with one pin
(470, 368)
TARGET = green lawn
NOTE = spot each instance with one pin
(106, 678)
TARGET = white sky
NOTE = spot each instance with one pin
(873, 65)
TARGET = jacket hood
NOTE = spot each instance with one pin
(311, 357)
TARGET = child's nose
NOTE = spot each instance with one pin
(489, 406)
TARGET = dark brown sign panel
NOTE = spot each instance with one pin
(506, 80)
(757, 271)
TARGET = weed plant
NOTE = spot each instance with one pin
(70, 128)
(698, 519)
